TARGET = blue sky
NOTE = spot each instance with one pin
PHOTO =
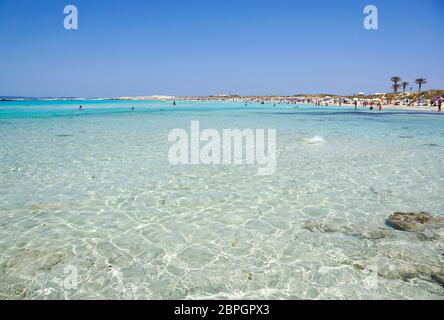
(201, 47)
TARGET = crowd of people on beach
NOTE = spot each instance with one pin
(325, 101)
(370, 103)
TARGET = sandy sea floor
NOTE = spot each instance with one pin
(94, 191)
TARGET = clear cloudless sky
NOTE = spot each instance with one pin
(202, 47)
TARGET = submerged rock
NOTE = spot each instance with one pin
(325, 227)
(376, 234)
(428, 235)
(426, 226)
(404, 270)
(40, 206)
(15, 292)
(414, 222)
(438, 278)
(30, 262)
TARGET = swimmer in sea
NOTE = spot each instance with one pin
(80, 108)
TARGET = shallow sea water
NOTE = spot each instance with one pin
(94, 190)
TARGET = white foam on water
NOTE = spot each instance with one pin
(315, 140)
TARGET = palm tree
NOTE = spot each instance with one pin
(420, 82)
(396, 81)
(404, 85)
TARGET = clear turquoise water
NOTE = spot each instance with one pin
(94, 189)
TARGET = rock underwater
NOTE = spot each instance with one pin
(325, 227)
(414, 222)
(424, 226)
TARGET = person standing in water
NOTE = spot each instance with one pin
(439, 105)
(174, 103)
